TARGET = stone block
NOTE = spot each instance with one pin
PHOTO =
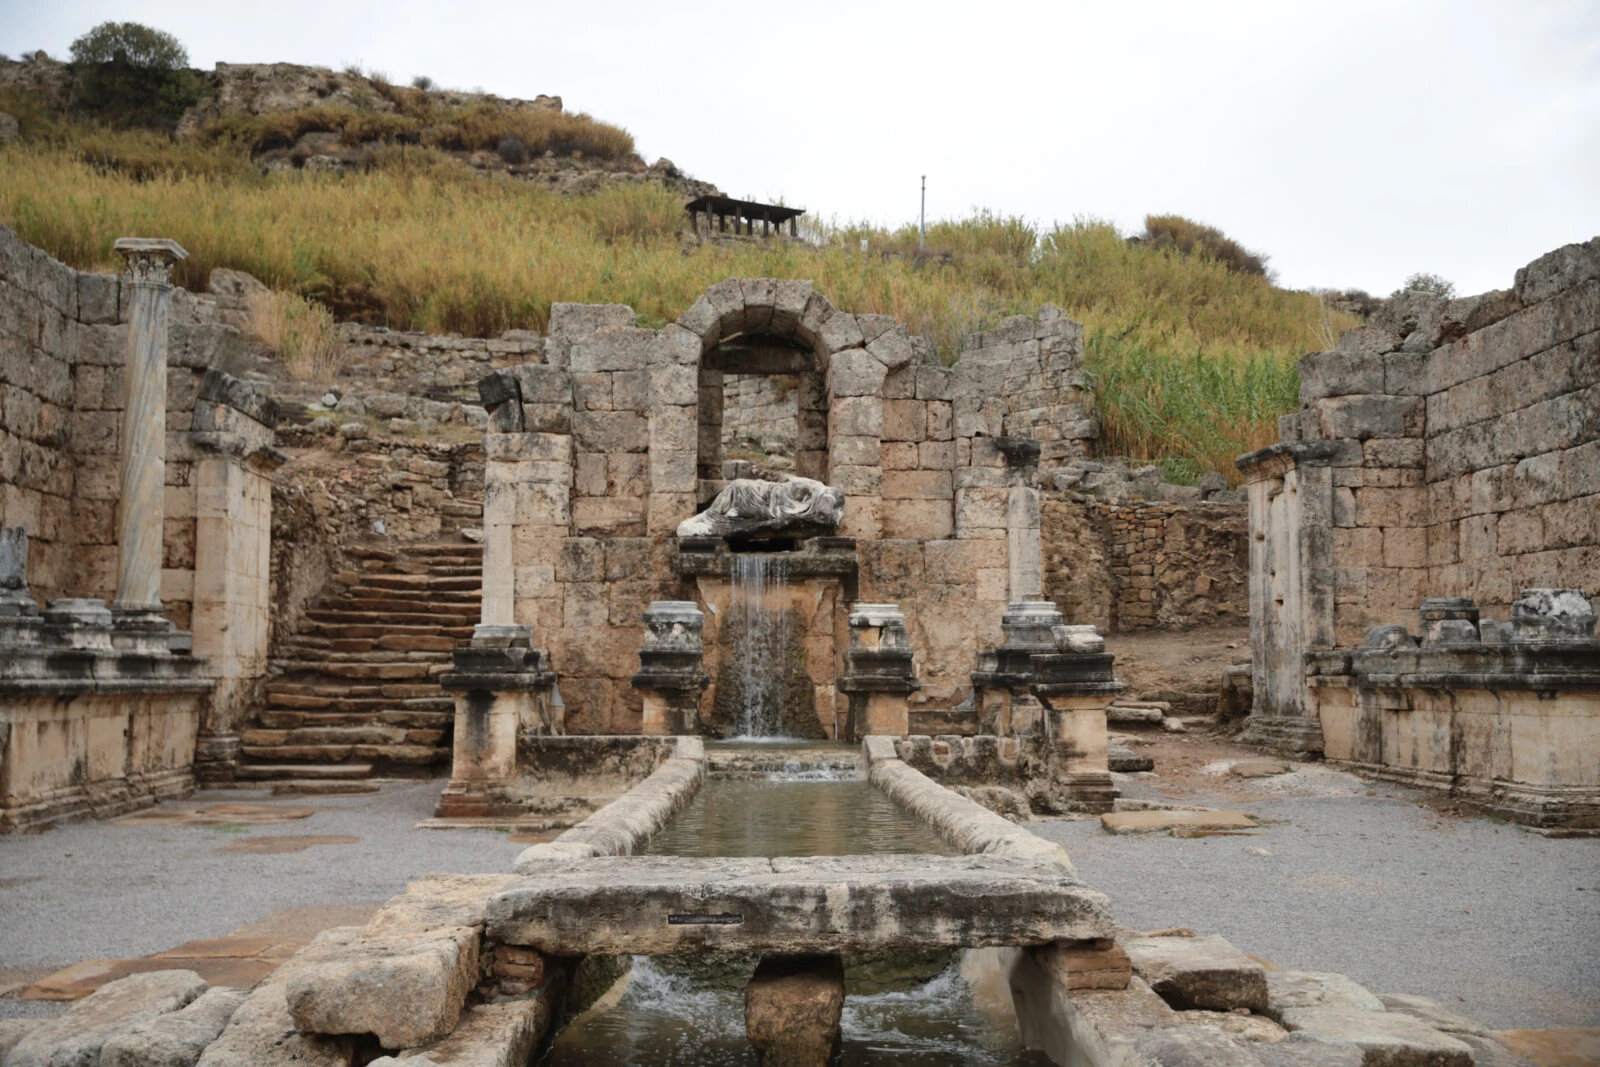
(1199, 972)
(1302, 1050)
(855, 482)
(917, 485)
(1290, 990)
(841, 332)
(1554, 272)
(898, 455)
(904, 420)
(79, 1035)
(1385, 1038)
(677, 384)
(1190, 1046)
(1336, 373)
(1086, 964)
(856, 416)
(501, 1034)
(919, 520)
(1367, 416)
(405, 990)
(98, 298)
(892, 347)
(792, 1008)
(1433, 1014)
(759, 296)
(611, 431)
(816, 903)
(607, 516)
(176, 1039)
(854, 372)
(854, 451)
(570, 322)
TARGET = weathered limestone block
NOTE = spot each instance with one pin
(792, 1007)
(1433, 1013)
(406, 978)
(1200, 972)
(1385, 1038)
(79, 1035)
(407, 991)
(1302, 1050)
(176, 1039)
(12, 1031)
(1086, 964)
(1292, 990)
(665, 905)
(1190, 1046)
(750, 508)
(503, 1034)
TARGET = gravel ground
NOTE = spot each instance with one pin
(100, 890)
(1499, 922)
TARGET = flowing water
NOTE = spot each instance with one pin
(758, 650)
(690, 1010)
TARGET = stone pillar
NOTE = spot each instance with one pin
(144, 431)
(671, 677)
(503, 689)
(879, 676)
(1025, 560)
(1292, 583)
(792, 1008)
(15, 600)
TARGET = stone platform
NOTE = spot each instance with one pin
(663, 905)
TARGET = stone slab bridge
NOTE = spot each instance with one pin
(665, 905)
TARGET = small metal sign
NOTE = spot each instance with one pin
(724, 918)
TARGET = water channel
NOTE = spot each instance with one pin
(912, 1009)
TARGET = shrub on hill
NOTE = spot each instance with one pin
(1197, 239)
(129, 74)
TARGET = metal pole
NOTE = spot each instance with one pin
(922, 227)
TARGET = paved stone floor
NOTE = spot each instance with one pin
(132, 888)
(1400, 891)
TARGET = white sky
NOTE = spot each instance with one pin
(1354, 142)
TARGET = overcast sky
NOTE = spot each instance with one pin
(1353, 142)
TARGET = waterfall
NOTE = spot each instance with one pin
(759, 643)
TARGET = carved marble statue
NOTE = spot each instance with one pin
(751, 508)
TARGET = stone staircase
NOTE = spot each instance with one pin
(354, 695)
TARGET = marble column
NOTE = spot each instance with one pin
(1025, 578)
(144, 427)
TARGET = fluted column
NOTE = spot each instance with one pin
(144, 424)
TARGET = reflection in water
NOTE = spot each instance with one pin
(687, 1012)
(793, 818)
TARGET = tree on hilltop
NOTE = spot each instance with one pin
(132, 43)
(129, 74)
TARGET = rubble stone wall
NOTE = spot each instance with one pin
(763, 408)
(1131, 567)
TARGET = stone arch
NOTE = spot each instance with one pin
(842, 390)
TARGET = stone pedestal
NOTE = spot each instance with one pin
(90, 724)
(671, 675)
(1502, 714)
(1051, 682)
(144, 432)
(503, 688)
(879, 676)
(792, 1008)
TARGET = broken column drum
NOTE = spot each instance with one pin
(879, 674)
(671, 674)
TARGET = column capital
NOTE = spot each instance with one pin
(150, 259)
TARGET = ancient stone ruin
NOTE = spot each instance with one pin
(914, 591)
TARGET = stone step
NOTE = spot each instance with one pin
(396, 691)
(375, 657)
(273, 719)
(436, 550)
(321, 787)
(663, 905)
(392, 672)
(325, 735)
(422, 583)
(339, 756)
(267, 771)
(405, 606)
(353, 629)
(385, 643)
(294, 701)
(332, 617)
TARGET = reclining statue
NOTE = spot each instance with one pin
(799, 507)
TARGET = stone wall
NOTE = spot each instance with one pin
(1126, 568)
(760, 409)
(1449, 448)
(598, 451)
(63, 347)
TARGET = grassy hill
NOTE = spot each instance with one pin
(1195, 361)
